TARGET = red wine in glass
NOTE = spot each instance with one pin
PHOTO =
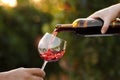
(51, 48)
(52, 55)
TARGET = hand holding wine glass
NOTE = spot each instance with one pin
(51, 48)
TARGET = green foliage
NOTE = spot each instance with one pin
(19, 28)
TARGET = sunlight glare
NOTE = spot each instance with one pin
(36, 1)
(11, 3)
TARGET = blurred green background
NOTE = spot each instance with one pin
(24, 22)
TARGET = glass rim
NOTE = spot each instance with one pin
(56, 36)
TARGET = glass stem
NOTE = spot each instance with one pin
(44, 64)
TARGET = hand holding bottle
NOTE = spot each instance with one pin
(107, 15)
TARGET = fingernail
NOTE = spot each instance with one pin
(102, 31)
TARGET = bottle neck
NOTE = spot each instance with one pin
(64, 25)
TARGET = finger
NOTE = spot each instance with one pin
(36, 78)
(36, 71)
(105, 26)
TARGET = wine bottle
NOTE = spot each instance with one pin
(90, 27)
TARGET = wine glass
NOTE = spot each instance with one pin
(51, 48)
